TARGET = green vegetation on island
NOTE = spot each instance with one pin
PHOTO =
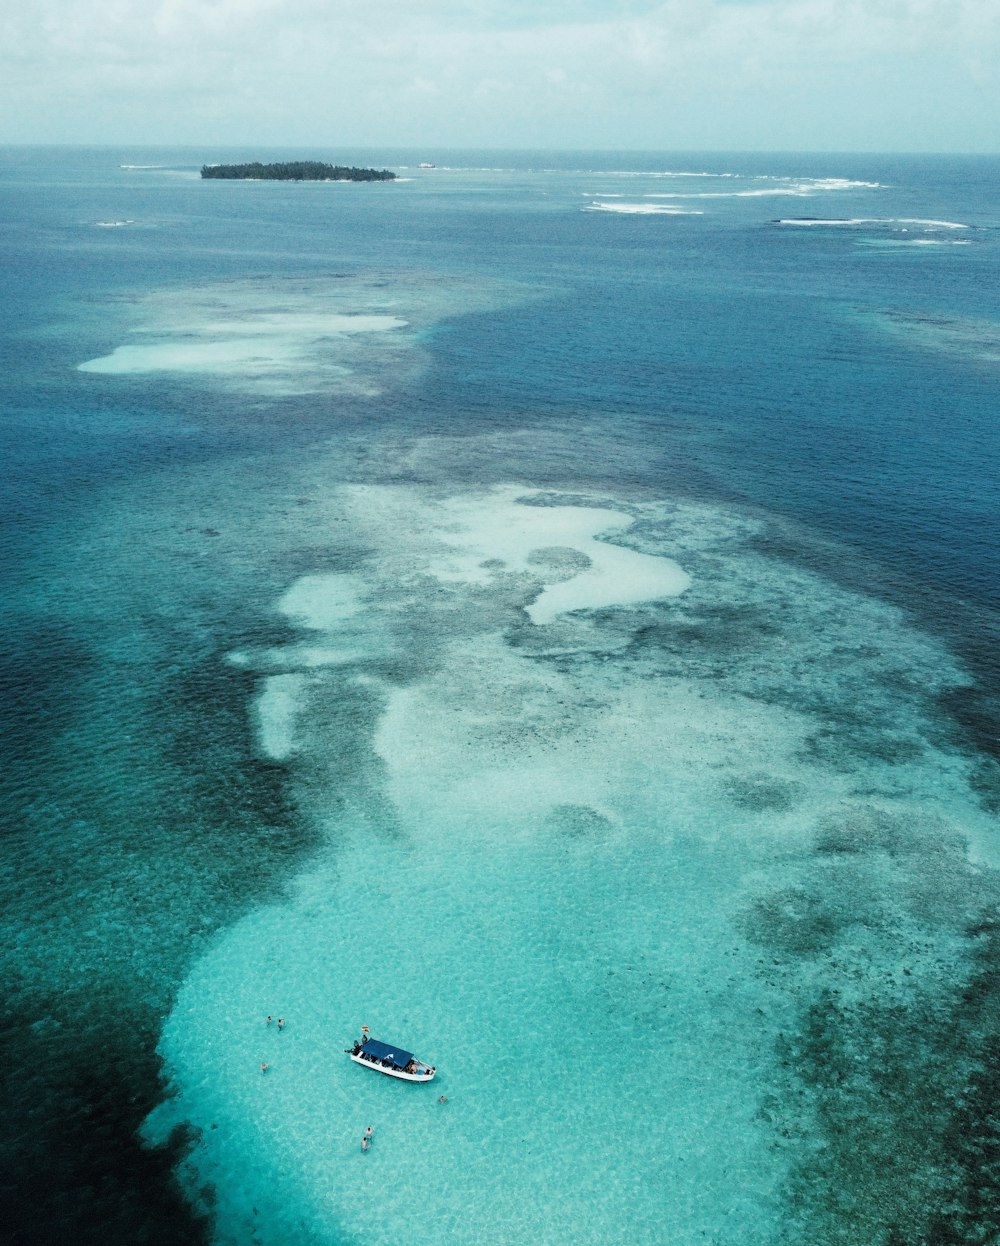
(296, 171)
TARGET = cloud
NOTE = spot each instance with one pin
(502, 72)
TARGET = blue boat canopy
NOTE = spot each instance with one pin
(383, 1051)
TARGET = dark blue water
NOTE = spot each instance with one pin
(837, 381)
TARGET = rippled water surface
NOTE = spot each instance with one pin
(543, 609)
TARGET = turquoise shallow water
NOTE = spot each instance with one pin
(553, 632)
(569, 891)
(595, 886)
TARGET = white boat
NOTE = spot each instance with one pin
(393, 1061)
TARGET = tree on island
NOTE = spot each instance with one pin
(296, 171)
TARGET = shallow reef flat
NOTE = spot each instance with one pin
(653, 843)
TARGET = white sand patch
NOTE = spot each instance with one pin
(296, 324)
(516, 534)
(264, 344)
(277, 706)
(323, 602)
(241, 356)
(357, 336)
(294, 657)
(314, 657)
(616, 577)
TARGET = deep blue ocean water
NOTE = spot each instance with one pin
(545, 608)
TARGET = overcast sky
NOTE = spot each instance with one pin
(854, 75)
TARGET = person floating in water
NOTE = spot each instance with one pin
(369, 1132)
(281, 1023)
(264, 1067)
(269, 1019)
(364, 1142)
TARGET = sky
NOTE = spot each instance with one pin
(764, 75)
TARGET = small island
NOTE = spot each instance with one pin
(296, 171)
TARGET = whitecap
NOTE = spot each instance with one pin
(838, 183)
(930, 224)
(902, 223)
(640, 209)
(662, 173)
(807, 221)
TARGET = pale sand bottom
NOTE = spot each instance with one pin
(570, 1033)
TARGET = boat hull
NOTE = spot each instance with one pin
(389, 1071)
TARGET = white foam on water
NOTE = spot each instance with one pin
(929, 224)
(776, 187)
(839, 183)
(917, 242)
(640, 209)
(545, 889)
(631, 173)
(806, 221)
(801, 191)
(762, 193)
(894, 222)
